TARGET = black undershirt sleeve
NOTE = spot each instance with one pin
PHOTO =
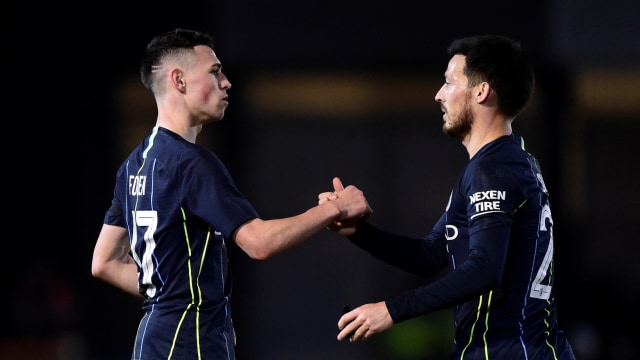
(424, 257)
(482, 272)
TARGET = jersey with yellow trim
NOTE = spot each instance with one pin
(490, 257)
(503, 185)
(180, 206)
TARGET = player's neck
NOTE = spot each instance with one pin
(186, 131)
(483, 133)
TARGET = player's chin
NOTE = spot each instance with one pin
(223, 109)
(220, 114)
(211, 119)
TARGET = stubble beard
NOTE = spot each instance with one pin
(461, 126)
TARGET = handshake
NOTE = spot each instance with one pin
(351, 203)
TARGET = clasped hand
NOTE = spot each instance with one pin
(353, 206)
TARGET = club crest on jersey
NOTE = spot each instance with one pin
(137, 185)
(487, 201)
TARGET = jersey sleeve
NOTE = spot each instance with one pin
(421, 256)
(213, 196)
(114, 214)
(492, 195)
(483, 271)
(491, 199)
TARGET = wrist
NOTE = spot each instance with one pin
(332, 211)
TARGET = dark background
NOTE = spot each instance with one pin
(320, 88)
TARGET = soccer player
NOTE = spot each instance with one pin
(490, 255)
(175, 208)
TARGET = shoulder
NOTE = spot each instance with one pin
(497, 165)
(170, 147)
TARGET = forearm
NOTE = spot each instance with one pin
(121, 274)
(262, 239)
(481, 273)
(420, 256)
(112, 261)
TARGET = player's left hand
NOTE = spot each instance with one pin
(364, 321)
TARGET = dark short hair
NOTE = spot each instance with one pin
(169, 43)
(503, 63)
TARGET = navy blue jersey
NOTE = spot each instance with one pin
(492, 252)
(179, 205)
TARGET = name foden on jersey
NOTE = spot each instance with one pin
(137, 185)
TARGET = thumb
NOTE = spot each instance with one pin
(337, 184)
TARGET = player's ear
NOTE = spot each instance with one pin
(482, 92)
(177, 80)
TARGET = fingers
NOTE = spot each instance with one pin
(337, 184)
(352, 326)
(348, 332)
(353, 333)
(365, 321)
(351, 203)
(326, 196)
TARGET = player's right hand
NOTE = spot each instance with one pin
(354, 201)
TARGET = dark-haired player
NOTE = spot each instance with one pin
(492, 249)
